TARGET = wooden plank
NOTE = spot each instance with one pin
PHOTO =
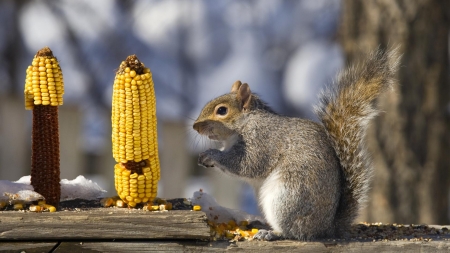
(103, 223)
(344, 246)
(29, 247)
(255, 246)
(156, 246)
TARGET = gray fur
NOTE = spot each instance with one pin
(311, 178)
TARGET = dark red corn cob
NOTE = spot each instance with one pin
(45, 153)
(44, 88)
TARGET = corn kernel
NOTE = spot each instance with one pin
(51, 208)
(3, 204)
(18, 206)
(35, 208)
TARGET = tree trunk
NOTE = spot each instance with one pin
(410, 140)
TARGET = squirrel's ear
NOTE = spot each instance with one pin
(244, 95)
(236, 86)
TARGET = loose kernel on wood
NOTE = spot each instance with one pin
(3, 204)
(107, 202)
(35, 208)
(51, 208)
(18, 206)
(168, 206)
(197, 208)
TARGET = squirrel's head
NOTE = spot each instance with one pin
(221, 117)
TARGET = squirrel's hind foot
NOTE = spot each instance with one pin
(267, 235)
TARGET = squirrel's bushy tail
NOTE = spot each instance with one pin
(345, 109)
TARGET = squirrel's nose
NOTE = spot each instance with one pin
(196, 127)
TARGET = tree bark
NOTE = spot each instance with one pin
(410, 140)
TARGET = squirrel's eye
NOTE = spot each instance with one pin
(222, 110)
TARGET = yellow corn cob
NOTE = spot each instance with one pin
(44, 89)
(44, 83)
(134, 137)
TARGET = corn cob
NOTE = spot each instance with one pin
(44, 88)
(134, 137)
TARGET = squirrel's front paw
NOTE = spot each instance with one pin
(205, 159)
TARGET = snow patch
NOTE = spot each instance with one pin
(218, 213)
(78, 188)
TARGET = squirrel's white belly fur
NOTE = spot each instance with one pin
(270, 193)
(229, 142)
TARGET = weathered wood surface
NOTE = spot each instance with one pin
(123, 230)
(103, 223)
(28, 247)
(203, 246)
(255, 246)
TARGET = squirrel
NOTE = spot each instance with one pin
(311, 179)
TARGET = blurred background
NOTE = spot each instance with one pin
(286, 50)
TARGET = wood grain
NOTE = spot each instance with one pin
(103, 223)
(28, 247)
(255, 246)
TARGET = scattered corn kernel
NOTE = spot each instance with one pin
(3, 204)
(120, 203)
(18, 206)
(160, 201)
(231, 230)
(35, 208)
(197, 208)
(50, 208)
(229, 235)
(107, 202)
(243, 223)
(232, 224)
(169, 206)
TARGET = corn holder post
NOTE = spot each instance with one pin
(134, 138)
(44, 89)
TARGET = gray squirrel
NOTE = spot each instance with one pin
(311, 179)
